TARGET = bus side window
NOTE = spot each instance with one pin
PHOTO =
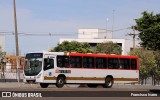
(124, 63)
(66, 61)
(101, 63)
(88, 62)
(133, 64)
(113, 63)
(48, 64)
(62, 61)
(59, 61)
(76, 62)
(84, 62)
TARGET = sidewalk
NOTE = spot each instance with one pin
(17, 85)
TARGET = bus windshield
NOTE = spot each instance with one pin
(33, 64)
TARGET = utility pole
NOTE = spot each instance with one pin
(16, 41)
(106, 27)
(113, 22)
(134, 37)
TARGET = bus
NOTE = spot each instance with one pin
(59, 68)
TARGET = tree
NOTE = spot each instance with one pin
(108, 48)
(72, 46)
(149, 30)
(147, 63)
(1, 55)
(0, 51)
(149, 33)
(157, 58)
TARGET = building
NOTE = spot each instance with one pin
(11, 63)
(95, 36)
(2, 42)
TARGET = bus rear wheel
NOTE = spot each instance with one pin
(108, 82)
(44, 85)
(60, 82)
(92, 85)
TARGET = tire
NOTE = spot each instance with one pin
(108, 82)
(44, 85)
(60, 82)
(92, 85)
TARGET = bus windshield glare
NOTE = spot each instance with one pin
(33, 64)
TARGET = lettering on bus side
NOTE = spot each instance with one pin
(64, 71)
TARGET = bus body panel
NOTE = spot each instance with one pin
(95, 75)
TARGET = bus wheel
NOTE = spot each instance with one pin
(60, 82)
(92, 85)
(108, 82)
(44, 85)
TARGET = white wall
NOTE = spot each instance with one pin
(87, 33)
(103, 34)
(94, 34)
(129, 45)
(2, 42)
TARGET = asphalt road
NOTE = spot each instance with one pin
(35, 87)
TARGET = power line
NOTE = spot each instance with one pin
(122, 29)
(37, 34)
(49, 33)
(45, 34)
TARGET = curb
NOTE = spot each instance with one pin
(10, 80)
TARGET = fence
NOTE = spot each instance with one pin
(9, 76)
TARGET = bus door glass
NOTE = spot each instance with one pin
(48, 63)
(48, 66)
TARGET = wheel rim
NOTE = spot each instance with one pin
(109, 82)
(60, 81)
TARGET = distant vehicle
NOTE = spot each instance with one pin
(61, 68)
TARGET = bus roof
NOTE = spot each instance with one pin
(88, 54)
(103, 55)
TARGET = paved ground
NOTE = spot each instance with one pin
(116, 87)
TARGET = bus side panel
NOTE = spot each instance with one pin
(99, 75)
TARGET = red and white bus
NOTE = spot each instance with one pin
(75, 68)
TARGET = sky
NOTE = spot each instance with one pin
(65, 17)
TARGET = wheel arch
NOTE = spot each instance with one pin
(62, 75)
(110, 76)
